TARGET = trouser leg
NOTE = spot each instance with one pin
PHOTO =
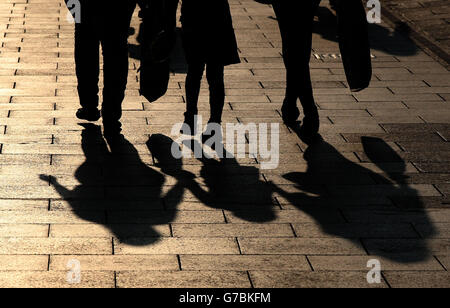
(193, 84)
(115, 58)
(215, 76)
(87, 64)
(295, 19)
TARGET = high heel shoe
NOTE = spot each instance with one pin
(310, 127)
(290, 115)
(190, 125)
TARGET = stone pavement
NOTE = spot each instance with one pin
(378, 187)
(429, 19)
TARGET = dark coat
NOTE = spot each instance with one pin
(208, 34)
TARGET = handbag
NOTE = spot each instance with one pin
(157, 42)
(354, 43)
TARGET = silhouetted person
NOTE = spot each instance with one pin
(106, 24)
(295, 19)
(121, 185)
(209, 41)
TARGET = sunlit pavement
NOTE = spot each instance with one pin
(377, 189)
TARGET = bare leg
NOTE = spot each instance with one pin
(214, 74)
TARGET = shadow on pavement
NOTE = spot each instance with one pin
(223, 184)
(334, 183)
(395, 42)
(127, 195)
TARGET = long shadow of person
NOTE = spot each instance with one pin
(160, 146)
(396, 43)
(235, 188)
(385, 230)
(131, 192)
(224, 184)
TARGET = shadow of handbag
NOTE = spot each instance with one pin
(157, 43)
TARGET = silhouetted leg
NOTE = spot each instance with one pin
(193, 84)
(316, 4)
(115, 57)
(295, 19)
(214, 74)
(115, 79)
(333, 4)
(87, 64)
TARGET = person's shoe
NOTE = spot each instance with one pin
(189, 125)
(88, 114)
(290, 115)
(114, 140)
(112, 131)
(310, 127)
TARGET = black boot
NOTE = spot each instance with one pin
(190, 123)
(310, 127)
(112, 131)
(290, 114)
(88, 114)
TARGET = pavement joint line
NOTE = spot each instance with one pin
(225, 217)
(439, 261)
(439, 190)
(440, 135)
(252, 286)
(293, 230)
(179, 262)
(427, 83)
(420, 117)
(440, 95)
(341, 212)
(361, 241)
(238, 245)
(405, 104)
(385, 280)
(415, 230)
(309, 263)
